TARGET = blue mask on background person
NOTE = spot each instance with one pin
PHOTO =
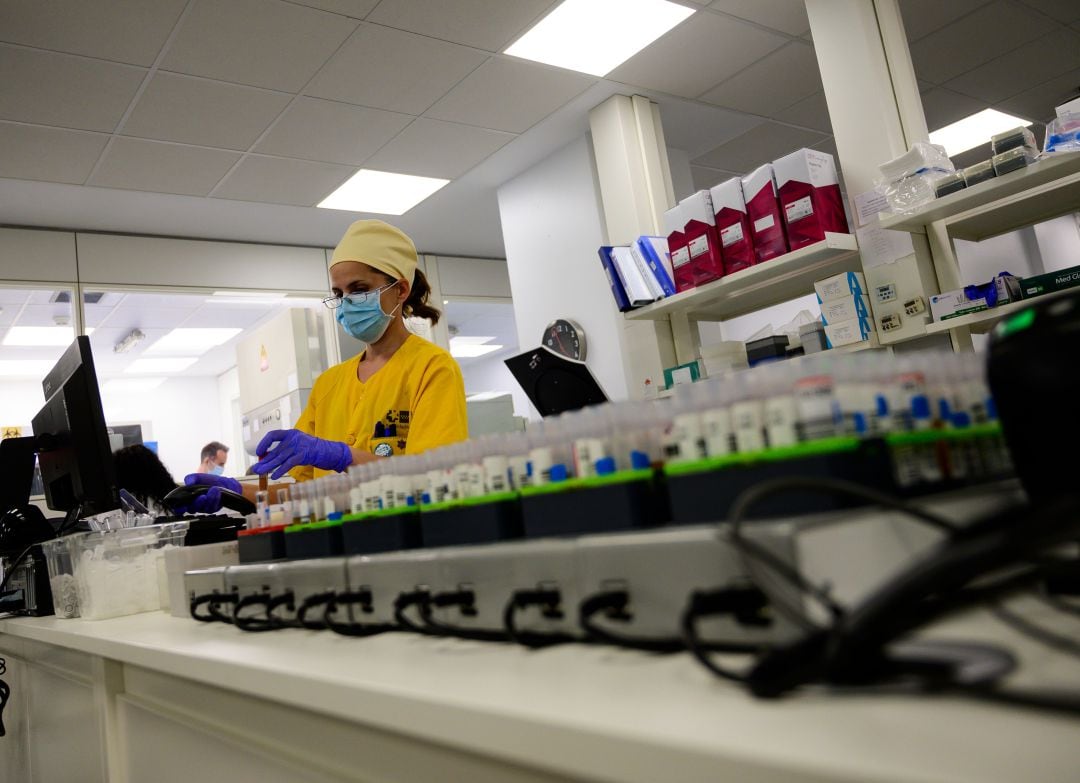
(217, 470)
(365, 321)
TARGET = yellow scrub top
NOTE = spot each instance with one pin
(415, 402)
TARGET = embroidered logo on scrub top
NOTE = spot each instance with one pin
(394, 425)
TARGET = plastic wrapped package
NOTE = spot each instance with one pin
(1011, 139)
(909, 180)
(980, 172)
(950, 184)
(1063, 134)
(1016, 158)
(65, 591)
(117, 571)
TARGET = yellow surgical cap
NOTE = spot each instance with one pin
(380, 246)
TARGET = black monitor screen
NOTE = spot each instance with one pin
(73, 444)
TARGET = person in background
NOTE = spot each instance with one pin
(140, 472)
(214, 456)
(402, 395)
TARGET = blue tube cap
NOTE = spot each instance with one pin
(639, 460)
(558, 472)
(605, 466)
(920, 407)
(334, 516)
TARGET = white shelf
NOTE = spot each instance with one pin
(985, 320)
(762, 285)
(1042, 191)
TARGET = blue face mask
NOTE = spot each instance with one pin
(217, 470)
(365, 320)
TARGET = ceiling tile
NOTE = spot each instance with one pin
(264, 43)
(788, 16)
(357, 9)
(137, 164)
(763, 144)
(429, 148)
(1067, 11)
(969, 42)
(922, 17)
(485, 24)
(282, 181)
(829, 146)
(772, 83)
(392, 70)
(697, 128)
(200, 111)
(697, 55)
(58, 89)
(509, 95)
(1037, 103)
(1019, 70)
(943, 107)
(126, 31)
(705, 178)
(333, 132)
(48, 154)
(812, 112)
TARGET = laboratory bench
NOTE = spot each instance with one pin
(154, 697)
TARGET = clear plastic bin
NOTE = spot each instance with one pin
(116, 571)
(65, 591)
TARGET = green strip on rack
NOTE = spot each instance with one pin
(482, 500)
(815, 448)
(938, 436)
(380, 514)
(322, 523)
(620, 477)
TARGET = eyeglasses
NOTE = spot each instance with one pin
(356, 298)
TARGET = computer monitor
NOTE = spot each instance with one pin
(72, 440)
(16, 472)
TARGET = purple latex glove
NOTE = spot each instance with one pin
(211, 501)
(295, 448)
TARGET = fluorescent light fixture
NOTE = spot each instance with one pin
(157, 366)
(192, 340)
(41, 336)
(25, 368)
(471, 347)
(596, 36)
(131, 385)
(382, 192)
(977, 129)
(133, 338)
(253, 294)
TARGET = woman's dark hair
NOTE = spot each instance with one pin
(140, 472)
(417, 303)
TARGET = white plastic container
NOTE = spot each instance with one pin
(117, 571)
(177, 560)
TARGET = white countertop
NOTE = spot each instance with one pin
(603, 713)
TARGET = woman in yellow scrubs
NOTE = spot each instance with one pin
(402, 395)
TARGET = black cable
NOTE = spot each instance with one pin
(253, 623)
(548, 601)
(407, 600)
(746, 604)
(5, 694)
(309, 603)
(362, 597)
(614, 604)
(203, 600)
(466, 601)
(216, 600)
(1056, 641)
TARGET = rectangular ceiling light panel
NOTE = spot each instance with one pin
(977, 129)
(382, 192)
(189, 341)
(596, 36)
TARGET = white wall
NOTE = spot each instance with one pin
(552, 227)
(743, 327)
(682, 180)
(1059, 242)
(228, 388)
(1016, 252)
(183, 415)
(492, 375)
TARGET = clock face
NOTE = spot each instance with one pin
(566, 338)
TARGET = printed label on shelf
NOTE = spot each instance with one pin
(730, 235)
(797, 210)
(764, 224)
(698, 246)
(680, 257)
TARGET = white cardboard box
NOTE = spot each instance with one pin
(845, 309)
(809, 166)
(953, 304)
(698, 206)
(728, 194)
(839, 286)
(191, 558)
(844, 333)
